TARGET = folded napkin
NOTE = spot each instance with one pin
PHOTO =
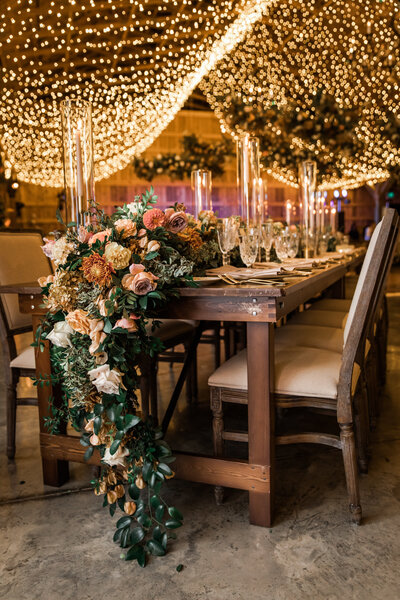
(242, 273)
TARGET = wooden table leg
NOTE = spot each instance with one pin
(260, 370)
(55, 472)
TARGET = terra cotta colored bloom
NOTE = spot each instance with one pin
(154, 218)
(97, 270)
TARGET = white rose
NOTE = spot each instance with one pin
(60, 334)
(105, 379)
(117, 459)
(133, 207)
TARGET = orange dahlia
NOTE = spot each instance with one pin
(97, 270)
(154, 218)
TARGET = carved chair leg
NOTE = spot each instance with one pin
(350, 468)
(218, 428)
(11, 415)
(362, 425)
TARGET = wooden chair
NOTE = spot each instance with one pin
(307, 377)
(21, 260)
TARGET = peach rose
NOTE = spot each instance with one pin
(143, 283)
(101, 236)
(96, 334)
(45, 280)
(126, 227)
(154, 218)
(84, 235)
(177, 221)
(133, 269)
(128, 324)
(79, 321)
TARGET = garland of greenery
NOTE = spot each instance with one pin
(324, 131)
(111, 279)
(194, 155)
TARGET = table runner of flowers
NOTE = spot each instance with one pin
(111, 278)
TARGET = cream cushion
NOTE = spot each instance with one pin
(327, 338)
(170, 328)
(21, 261)
(299, 371)
(24, 360)
(322, 318)
(341, 304)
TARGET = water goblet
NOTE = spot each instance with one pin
(226, 234)
(282, 246)
(267, 237)
(248, 245)
(293, 244)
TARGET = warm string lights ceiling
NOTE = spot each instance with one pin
(351, 49)
(137, 61)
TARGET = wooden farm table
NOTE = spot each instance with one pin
(257, 306)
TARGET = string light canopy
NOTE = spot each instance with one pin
(351, 49)
(137, 61)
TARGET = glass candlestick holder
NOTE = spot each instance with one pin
(78, 160)
(248, 179)
(201, 183)
(307, 183)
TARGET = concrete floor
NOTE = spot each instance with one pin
(57, 545)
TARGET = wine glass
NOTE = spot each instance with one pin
(267, 236)
(226, 233)
(249, 240)
(282, 246)
(293, 244)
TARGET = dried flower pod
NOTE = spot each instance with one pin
(112, 496)
(140, 482)
(130, 508)
(111, 478)
(120, 491)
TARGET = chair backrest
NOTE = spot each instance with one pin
(21, 261)
(361, 280)
(380, 254)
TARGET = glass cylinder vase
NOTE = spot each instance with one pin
(201, 183)
(307, 183)
(248, 178)
(77, 135)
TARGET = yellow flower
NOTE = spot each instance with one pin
(117, 255)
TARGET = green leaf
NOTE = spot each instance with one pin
(125, 537)
(117, 535)
(143, 302)
(111, 414)
(97, 424)
(144, 520)
(164, 469)
(151, 255)
(157, 533)
(132, 553)
(164, 540)
(134, 491)
(141, 559)
(179, 568)
(159, 512)
(155, 548)
(147, 470)
(107, 326)
(172, 524)
(175, 513)
(59, 217)
(114, 446)
(154, 501)
(136, 535)
(131, 421)
(112, 508)
(98, 409)
(123, 522)
(88, 453)
(153, 480)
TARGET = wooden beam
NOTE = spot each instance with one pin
(236, 474)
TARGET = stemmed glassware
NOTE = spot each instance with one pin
(249, 240)
(226, 232)
(286, 244)
(267, 237)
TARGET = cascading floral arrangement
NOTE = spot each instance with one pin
(111, 278)
(178, 166)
